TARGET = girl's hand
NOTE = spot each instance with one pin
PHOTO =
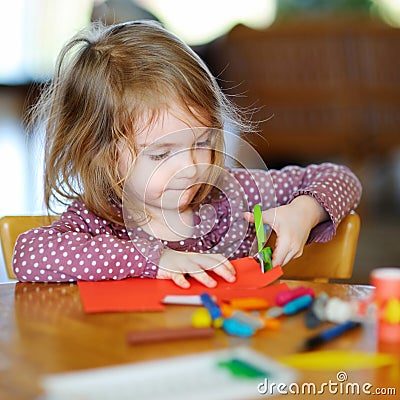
(292, 224)
(175, 264)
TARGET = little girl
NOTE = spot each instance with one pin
(134, 147)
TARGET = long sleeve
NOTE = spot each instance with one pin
(335, 188)
(81, 246)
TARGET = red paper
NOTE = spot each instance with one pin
(267, 293)
(136, 294)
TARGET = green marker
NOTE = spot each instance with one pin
(242, 369)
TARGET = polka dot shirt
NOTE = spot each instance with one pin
(82, 246)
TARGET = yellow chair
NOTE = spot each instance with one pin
(330, 260)
(319, 262)
(11, 227)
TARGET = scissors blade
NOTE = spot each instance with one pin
(260, 228)
(264, 254)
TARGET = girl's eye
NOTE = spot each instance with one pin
(158, 157)
(203, 143)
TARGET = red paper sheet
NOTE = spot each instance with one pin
(137, 294)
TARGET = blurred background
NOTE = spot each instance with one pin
(322, 76)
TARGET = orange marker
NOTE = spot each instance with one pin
(249, 303)
(226, 310)
(272, 323)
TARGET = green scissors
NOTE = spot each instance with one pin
(264, 255)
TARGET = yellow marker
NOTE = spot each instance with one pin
(336, 360)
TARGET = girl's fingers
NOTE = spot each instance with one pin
(277, 259)
(227, 266)
(205, 279)
(226, 272)
(180, 280)
(212, 262)
(283, 253)
(197, 266)
(221, 266)
(283, 259)
(287, 258)
(268, 216)
(248, 216)
(279, 253)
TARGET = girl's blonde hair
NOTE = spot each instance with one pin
(106, 79)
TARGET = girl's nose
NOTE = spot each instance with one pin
(186, 164)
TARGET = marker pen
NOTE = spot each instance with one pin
(329, 334)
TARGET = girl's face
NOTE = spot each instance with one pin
(174, 159)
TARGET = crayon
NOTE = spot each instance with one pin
(166, 334)
(289, 295)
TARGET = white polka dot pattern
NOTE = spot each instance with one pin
(82, 246)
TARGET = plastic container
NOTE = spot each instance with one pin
(387, 299)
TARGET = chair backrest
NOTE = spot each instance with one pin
(320, 261)
(11, 227)
(329, 260)
(301, 75)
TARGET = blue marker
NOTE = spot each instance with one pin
(294, 306)
(297, 305)
(211, 305)
(329, 334)
(237, 328)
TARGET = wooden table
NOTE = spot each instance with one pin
(43, 329)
